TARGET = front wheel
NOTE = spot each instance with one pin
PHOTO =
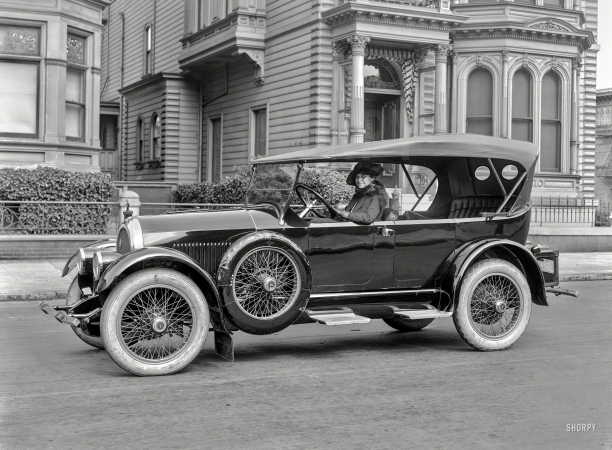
(154, 322)
(494, 305)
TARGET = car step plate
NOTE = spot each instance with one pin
(415, 314)
(336, 316)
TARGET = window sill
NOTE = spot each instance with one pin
(139, 165)
(154, 163)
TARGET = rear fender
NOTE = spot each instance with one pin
(89, 250)
(510, 251)
(157, 257)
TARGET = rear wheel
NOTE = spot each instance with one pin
(74, 295)
(407, 324)
(155, 322)
(494, 305)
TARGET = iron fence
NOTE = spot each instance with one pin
(48, 217)
(570, 211)
(151, 209)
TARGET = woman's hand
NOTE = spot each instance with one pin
(342, 213)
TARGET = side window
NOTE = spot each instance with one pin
(259, 132)
(155, 134)
(139, 141)
(215, 148)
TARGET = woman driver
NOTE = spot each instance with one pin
(370, 198)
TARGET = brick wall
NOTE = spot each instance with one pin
(44, 247)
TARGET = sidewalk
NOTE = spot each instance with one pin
(41, 280)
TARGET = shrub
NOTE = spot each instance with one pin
(330, 183)
(51, 184)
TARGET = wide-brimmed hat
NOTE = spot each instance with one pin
(367, 167)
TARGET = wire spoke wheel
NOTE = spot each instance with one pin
(266, 283)
(495, 306)
(156, 323)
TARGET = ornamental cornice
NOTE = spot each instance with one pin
(531, 34)
(356, 12)
(100, 3)
(56, 62)
(550, 25)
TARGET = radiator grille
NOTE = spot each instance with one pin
(123, 242)
(207, 254)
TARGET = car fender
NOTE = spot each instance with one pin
(516, 253)
(224, 275)
(94, 246)
(144, 257)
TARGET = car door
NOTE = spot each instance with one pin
(420, 247)
(340, 255)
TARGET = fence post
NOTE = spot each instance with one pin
(133, 199)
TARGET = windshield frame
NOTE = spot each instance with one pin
(281, 209)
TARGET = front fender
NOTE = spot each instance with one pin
(139, 259)
(224, 275)
(512, 251)
(91, 249)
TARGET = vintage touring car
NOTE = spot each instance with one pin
(150, 296)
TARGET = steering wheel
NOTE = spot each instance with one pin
(311, 205)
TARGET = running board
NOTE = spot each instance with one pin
(415, 314)
(336, 316)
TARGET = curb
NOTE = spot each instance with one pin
(589, 277)
(32, 297)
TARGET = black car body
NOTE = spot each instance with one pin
(268, 265)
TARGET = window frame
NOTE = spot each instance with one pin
(140, 141)
(467, 103)
(148, 50)
(530, 120)
(82, 104)
(205, 11)
(209, 147)
(558, 121)
(35, 61)
(253, 110)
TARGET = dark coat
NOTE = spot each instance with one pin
(369, 206)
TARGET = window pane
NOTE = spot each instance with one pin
(74, 122)
(204, 16)
(521, 94)
(480, 93)
(522, 130)
(75, 49)
(216, 149)
(551, 90)
(260, 132)
(480, 126)
(74, 85)
(18, 97)
(555, 3)
(550, 147)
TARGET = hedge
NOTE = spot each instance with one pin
(330, 183)
(51, 184)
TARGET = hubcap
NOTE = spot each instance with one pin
(159, 325)
(500, 306)
(269, 284)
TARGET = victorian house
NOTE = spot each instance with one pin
(196, 87)
(50, 83)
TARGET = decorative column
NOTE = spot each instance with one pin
(440, 111)
(358, 46)
(504, 115)
(576, 65)
(454, 106)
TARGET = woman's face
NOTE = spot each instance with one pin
(363, 180)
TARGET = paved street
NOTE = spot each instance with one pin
(319, 387)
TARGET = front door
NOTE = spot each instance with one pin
(340, 255)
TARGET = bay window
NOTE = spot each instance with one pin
(480, 102)
(550, 134)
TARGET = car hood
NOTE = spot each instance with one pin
(168, 228)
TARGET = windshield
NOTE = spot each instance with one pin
(272, 184)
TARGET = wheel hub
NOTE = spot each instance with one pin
(159, 325)
(269, 284)
(500, 306)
